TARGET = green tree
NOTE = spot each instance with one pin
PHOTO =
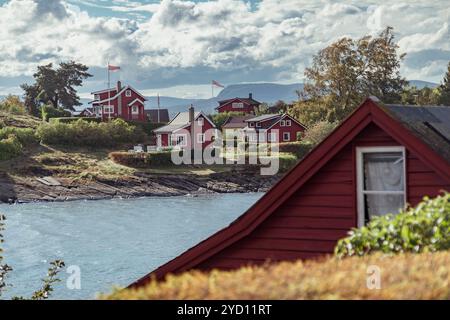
(56, 86)
(219, 118)
(346, 72)
(12, 104)
(424, 96)
(444, 89)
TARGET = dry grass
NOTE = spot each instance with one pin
(408, 276)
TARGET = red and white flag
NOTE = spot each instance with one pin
(113, 68)
(217, 84)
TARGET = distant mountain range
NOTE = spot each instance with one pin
(263, 92)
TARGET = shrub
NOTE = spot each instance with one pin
(48, 112)
(26, 136)
(12, 104)
(219, 118)
(299, 149)
(318, 131)
(91, 134)
(404, 276)
(142, 160)
(74, 119)
(421, 229)
(10, 147)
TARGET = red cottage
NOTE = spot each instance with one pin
(273, 128)
(120, 102)
(185, 124)
(381, 158)
(244, 105)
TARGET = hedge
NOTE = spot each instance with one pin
(299, 149)
(48, 112)
(74, 119)
(404, 276)
(91, 134)
(421, 229)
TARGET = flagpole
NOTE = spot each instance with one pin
(212, 89)
(109, 93)
(158, 110)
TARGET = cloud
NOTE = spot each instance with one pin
(187, 42)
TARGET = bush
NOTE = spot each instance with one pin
(26, 136)
(10, 147)
(74, 119)
(299, 149)
(142, 160)
(405, 276)
(421, 229)
(48, 112)
(219, 118)
(318, 131)
(12, 104)
(91, 134)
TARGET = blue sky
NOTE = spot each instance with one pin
(176, 48)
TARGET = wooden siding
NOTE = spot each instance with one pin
(322, 211)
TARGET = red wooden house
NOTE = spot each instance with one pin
(273, 128)
(381, 158)
(178, 132)
(119, 102)
(244, 105)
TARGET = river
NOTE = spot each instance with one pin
(112, 242)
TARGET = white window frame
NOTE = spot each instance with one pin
(200, 121)
(288, 135)
(251, 124)
(96, 97)
(360, 151)
(184, 136)
(288, 123)
(128, 93)
(200, 138)
(137, 109)
(282, 123)
(258, 124)
(272, 137)
(237, 105)
(108, 109)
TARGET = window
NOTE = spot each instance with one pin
(272, 137)
(181, 140)
(200, 121)
(258, 124)
(381, 181)
(282, 123)
(286, 136)
(134, 109)
(96, 97)
(252, 137)
(108, 109)
(288, 123)
(237, 105)
(200, 138)
(128, 93)
(251, 124)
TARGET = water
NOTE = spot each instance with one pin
(114, 242)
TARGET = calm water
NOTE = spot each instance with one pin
(114, 242)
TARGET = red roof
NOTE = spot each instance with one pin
(369, 112)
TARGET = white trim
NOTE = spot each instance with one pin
(237, 105)
(283, 116)
(128, 93)
(288, 122)
(282, 123)
(258, 125)
(136, 100)
(184, 135)
(360, 177)
(201, 138)
(202, 122)
(103, 91)
(207, 119)
(120, 92)
(288, 135)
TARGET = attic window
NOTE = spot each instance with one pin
(237, 105)
(381, 181)
(96, 97)
(288, 123)
(128, 93)
(200, 121)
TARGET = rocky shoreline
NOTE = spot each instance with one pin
(34, 189)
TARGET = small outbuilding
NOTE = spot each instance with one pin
(381, 159)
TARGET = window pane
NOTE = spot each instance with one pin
(381, 204)
(383, 171)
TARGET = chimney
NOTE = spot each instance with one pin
(119, 86)
(250, 95)
(191, 114)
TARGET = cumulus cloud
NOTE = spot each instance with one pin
(184, 42)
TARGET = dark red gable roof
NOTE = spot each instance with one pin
(249, 101)
(371, 111)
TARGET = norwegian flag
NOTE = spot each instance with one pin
(217, 84)
(113, 68)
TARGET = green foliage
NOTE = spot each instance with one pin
(287, 161)
(12, 104)
(90, 134)
(26, 136)
(345, 73)
(142, 160)
(318, 131)
(299, 149)
(56, 86)
(48, 112)
(148, 127)
(74, 119)
(47, 282)
(425, 228)
(10, 147)
(444, 89)
(219, 118)
(423, 97)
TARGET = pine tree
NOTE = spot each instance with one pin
(444, 89)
